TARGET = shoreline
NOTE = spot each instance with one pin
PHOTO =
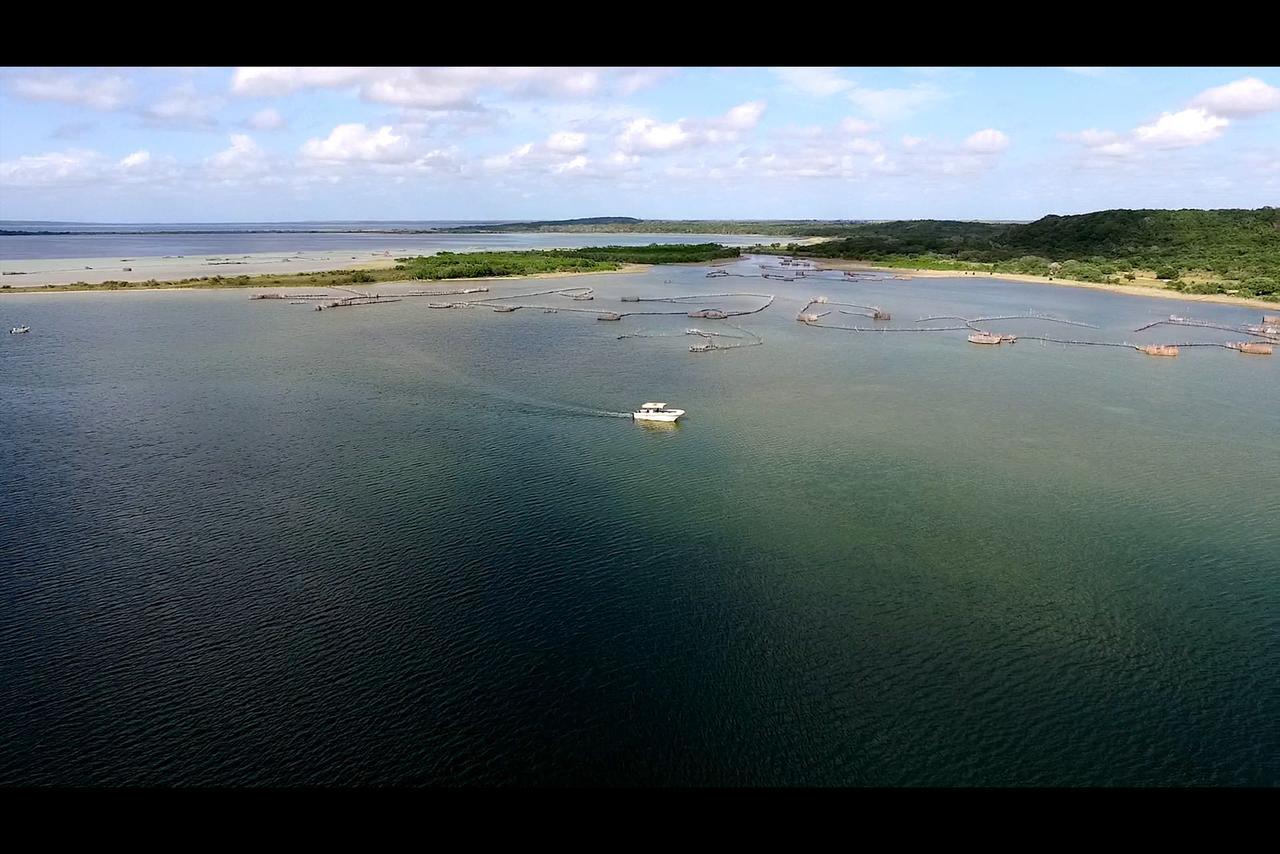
(38, 290)
(1131, 290)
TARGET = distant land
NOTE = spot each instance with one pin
(1233, 251)
(437, 267)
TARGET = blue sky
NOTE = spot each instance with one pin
(264, 144)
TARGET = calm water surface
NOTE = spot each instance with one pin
(17, 249)
(249, 543)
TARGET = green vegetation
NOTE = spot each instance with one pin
(629, 225)
(1219, 251)
(445, 265)
(470, 265)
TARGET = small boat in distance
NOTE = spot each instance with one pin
(656, 412)
(18, 330)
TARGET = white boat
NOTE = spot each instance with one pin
(656, 412)
(19, 329)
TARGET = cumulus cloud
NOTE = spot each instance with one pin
(267, 119)
(284, 81)
(84, 167)
(1103, 148)
(1183, 129)
(988, 141)
(647, 136)
(455, 88)
(567, 142)
(355, 142)
(1206, 119)
(138, 158)
(577, 164)
(243, 159)
(93, 91)
(56, 168)
(744, 116)
(184, 106)
(505, 161)
(1246, 97)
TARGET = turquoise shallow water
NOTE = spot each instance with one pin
(249, 543)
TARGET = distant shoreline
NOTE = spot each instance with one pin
(140, 287)
(1131, 290)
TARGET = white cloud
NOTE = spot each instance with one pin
(355, 142)
(894, 104)
(57, 168)
(1182, 129)
(138, 158)
(1246, 97)
(881, 104)
(83, 167)
(267, 119)
(645, 136)
(1116, 149)
(1091, 137)
(454, 88)
(909, 141)
(567, 142)
(506, 161)
(1104, 148)
(243, 159)
(577, 164)
(95, 92)
(744, 116)
(632, 81)
(987, 141)
(184, 106)
(284, 81)
(818, 81)
(858, 127)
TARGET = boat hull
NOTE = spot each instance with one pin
(658, 416)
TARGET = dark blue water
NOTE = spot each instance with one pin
(250, 543)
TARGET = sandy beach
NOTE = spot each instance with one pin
(27, 273)
(1133, 290)
(383, 287)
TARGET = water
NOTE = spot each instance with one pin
(250, 543)
(87, 242)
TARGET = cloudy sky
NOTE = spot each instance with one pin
(276, 144)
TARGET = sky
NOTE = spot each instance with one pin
(399, 143)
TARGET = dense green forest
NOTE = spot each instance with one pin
(1197, 251)
(445, 265)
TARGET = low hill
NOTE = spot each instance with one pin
(1201, 251)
